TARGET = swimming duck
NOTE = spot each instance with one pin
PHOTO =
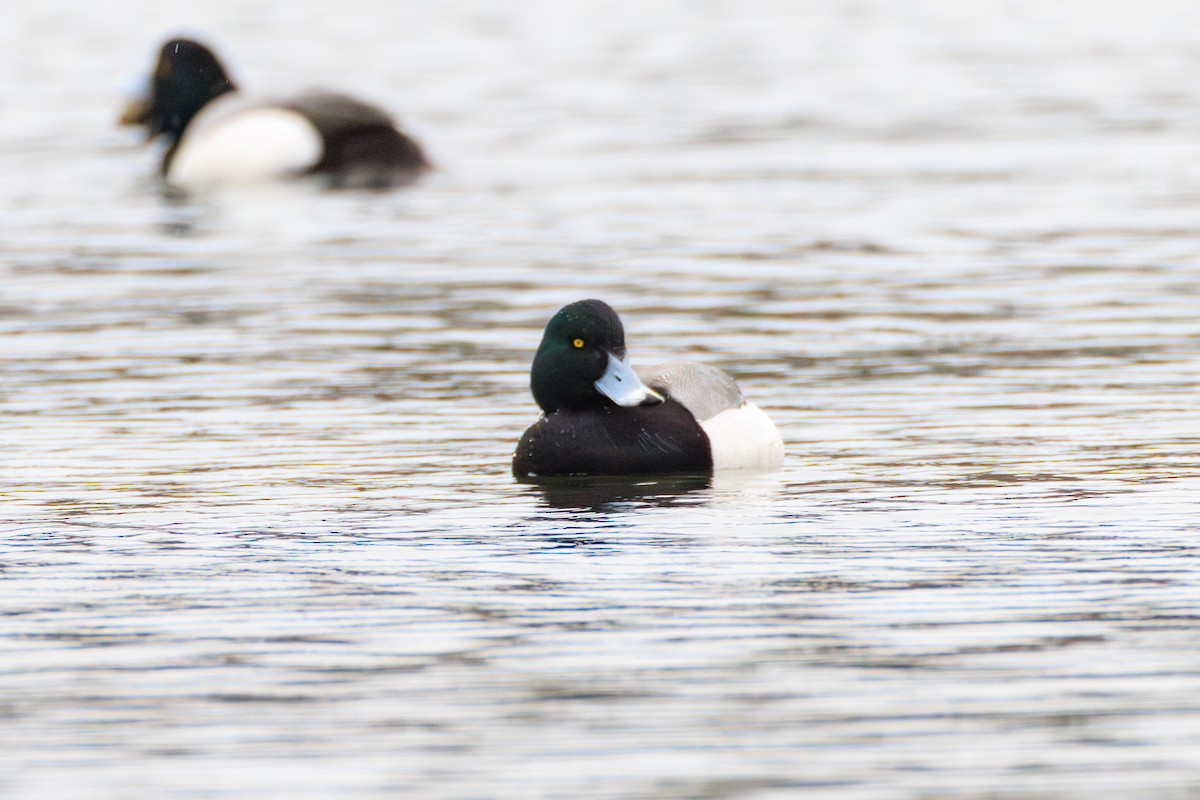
(602, 417)
(216, 136)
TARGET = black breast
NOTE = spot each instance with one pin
(614, 441)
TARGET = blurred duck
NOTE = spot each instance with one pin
(601, 417)
(216, 136)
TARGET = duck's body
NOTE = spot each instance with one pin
(600, 417)
(611, 440)
(215, 135)
(740, 434)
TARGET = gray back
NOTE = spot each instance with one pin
(703, 390)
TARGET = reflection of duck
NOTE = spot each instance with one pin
(215, 136)
(596, 493)
(600, 417)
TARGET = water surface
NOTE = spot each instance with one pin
(259, 532)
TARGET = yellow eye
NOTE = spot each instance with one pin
(578, 342)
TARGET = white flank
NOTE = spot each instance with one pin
(249, 145)
(744, 438)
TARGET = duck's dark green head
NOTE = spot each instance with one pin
(186, 78)
(581, 362)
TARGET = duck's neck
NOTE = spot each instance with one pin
(175, 114)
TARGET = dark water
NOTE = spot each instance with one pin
(259, 535)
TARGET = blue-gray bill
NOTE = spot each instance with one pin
(622, 385)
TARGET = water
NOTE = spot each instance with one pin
(259, 533)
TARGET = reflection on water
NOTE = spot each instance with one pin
(260, 532)
(606, 493)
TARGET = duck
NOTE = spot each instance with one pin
(216, 136)
(601, 416)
